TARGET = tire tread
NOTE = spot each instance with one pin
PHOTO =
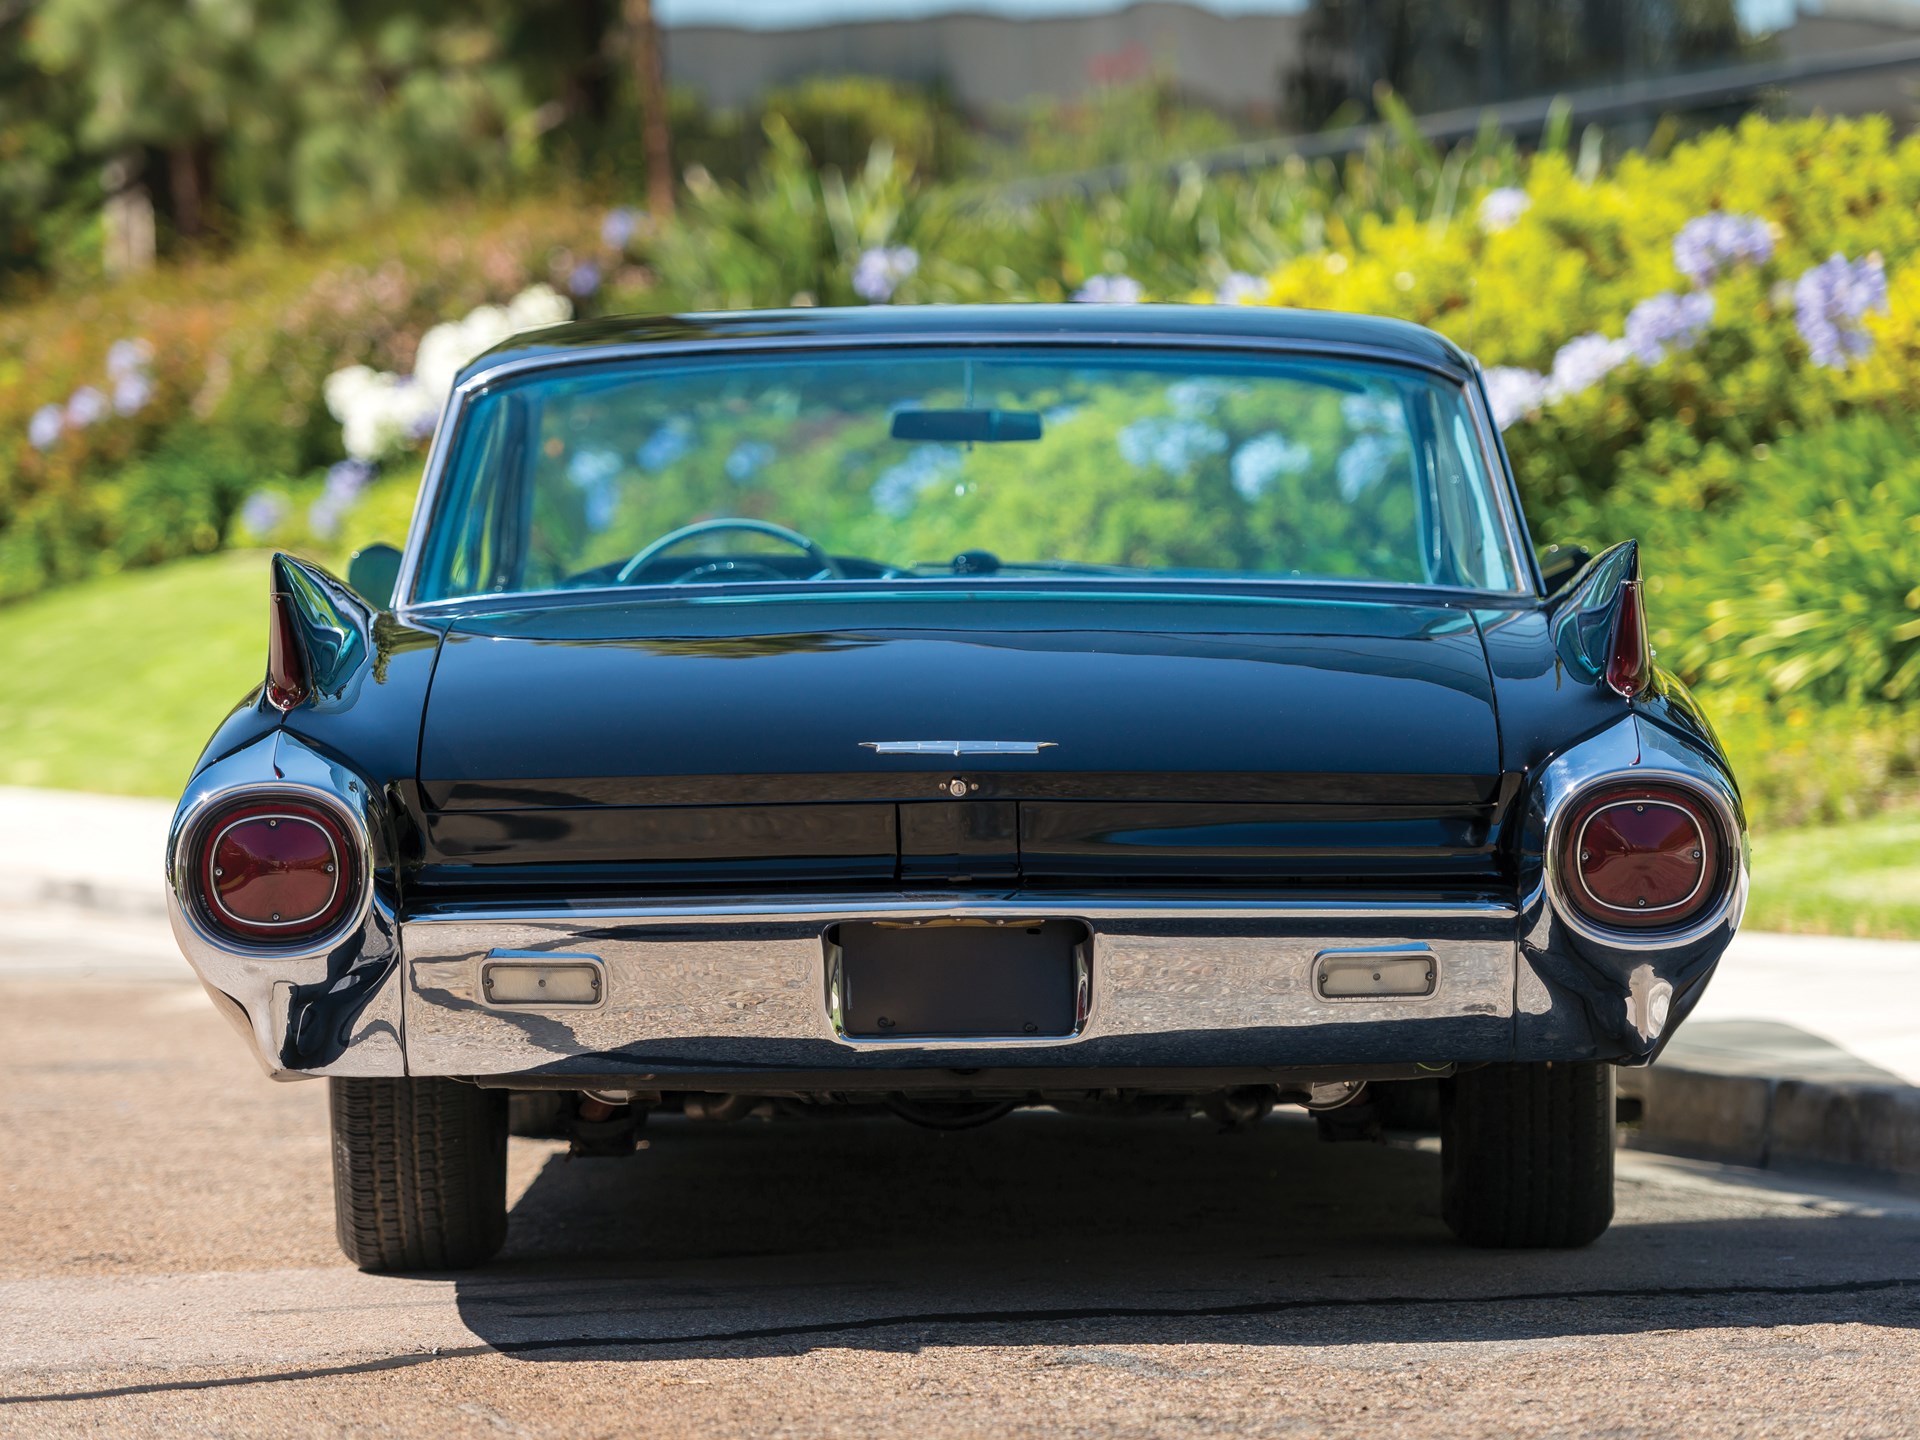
(1527, 1155)
(419, 1172)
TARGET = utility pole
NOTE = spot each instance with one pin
(650, 75)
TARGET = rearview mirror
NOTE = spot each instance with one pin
(953, 426)
(372, 573)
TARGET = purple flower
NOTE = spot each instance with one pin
(666, 445)
(43, 430)
(745, 460)
(618, 228)
(86, 406)
(1514, 393)
(1501, 209)
(347, 478)
(1709, 243)
(1173, 445)
(1829, 300)
(1110, 290)
(127, 358)
(1668, 322)
(262, 513)
(1263, 460)
(879, 271)
(1583, 362)
(584, 280)
(1239, 288)
(131, 393)
(925, 469)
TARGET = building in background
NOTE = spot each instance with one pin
(1289, 61)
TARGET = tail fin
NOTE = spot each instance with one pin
(319, 634)
(1600, 624)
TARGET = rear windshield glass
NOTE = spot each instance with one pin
(897, 466)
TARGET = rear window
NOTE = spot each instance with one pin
(889, 467)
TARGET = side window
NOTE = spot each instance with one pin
(1470, 536)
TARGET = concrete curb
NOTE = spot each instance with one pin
(1772, 1122)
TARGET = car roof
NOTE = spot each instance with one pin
(1144, 324)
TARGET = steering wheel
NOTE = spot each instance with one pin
(730, 568)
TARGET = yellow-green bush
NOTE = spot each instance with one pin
(1585, 251)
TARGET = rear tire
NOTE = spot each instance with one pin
(419, 1172)
(1526, 1155)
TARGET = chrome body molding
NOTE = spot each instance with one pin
(958, 747)
(1212, 981)
(329, 1006)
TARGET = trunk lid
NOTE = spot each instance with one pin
(1204, 738)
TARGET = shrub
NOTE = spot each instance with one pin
(1794, 571)
(231, 386)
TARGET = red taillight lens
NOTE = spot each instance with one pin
(276, 870)
(1641, 858)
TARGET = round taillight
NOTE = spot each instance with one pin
(1641, 857)
(276, 870)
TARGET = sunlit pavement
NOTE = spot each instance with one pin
(167, 1266)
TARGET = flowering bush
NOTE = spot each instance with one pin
(1728, 294)
(381, 413)
(136, 420)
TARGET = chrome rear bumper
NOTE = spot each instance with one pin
(1169, 982)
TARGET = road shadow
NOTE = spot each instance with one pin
(774, 1238)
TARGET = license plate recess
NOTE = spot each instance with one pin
(957, 979)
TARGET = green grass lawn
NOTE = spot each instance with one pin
(116, 684)
(1860, 878)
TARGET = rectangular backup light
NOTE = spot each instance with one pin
(1362, 974)
(538, 982)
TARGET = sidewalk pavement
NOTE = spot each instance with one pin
(1805, 1049)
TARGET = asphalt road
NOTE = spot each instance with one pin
(167, 1266)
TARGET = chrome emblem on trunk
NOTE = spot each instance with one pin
(958, 747)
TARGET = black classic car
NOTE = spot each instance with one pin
(1138, 709)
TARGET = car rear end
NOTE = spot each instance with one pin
(688, 827)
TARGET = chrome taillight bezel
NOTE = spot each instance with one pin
(198, 839)
(1715, 899)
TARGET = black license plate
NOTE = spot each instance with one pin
(959, 980)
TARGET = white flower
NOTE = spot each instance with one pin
(1111, 290)
(344, 386)
(1240, 288)
(1514, 393)
(131, 393)
(538, 306)
(1501, 209)
(378, 413)
(43, 430)
(1583, 362)
(86, 406)
(126, 358)
(439, 356)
